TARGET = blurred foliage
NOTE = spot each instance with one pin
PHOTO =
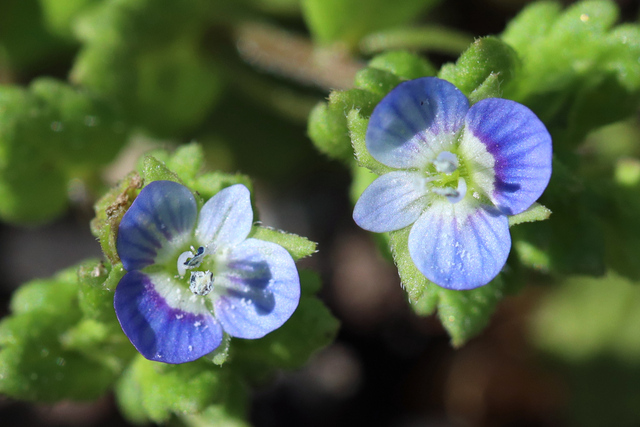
(347, 21)
(589, 326)
(176, 71)
(60, 132)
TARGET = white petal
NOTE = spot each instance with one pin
(226, 219)
(391, 202)
(460, 246)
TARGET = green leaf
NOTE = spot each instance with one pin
(59, 17)
(374, 80)
(327, 125)
(297, 246)
(357, 126)
(230, 412)
(536, 212)
(57, 294)
(210, 183)
(403, 64)
(56, 129)
(154, 391)
(34, 366)
(109, 211)
(578, 71)
(220, 355)
(486, 56)
(187, 161)
(156, 170)
(35, 362)
(347, 21)
(146, 57)
(573, 242)
(532, 23)
(490, 88)
(464, 314)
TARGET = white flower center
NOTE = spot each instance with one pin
(444, 182)
(200, 282)
(446, 162)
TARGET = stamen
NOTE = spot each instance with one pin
(446, 162)
(201, 282)
(197, 259)
(454, 195)
(188, 260)
(446, 191)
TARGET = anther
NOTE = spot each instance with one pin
(454, 195)
(188, 260)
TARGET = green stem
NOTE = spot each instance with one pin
(432, 38)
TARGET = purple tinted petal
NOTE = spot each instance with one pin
(391, 202)
(226, 218)
(460, 246)
(262, 289)
(160, 220)
(521, 147)
(163, 321)
(415, 121)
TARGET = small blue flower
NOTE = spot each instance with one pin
(242, 286)
(459, 171)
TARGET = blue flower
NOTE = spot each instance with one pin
(192, 275)
(458, 172)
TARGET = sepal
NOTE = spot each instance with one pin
(486, 56)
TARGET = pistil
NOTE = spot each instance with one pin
(446, 164)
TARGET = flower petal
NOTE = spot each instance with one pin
(521, 149)
(460, 246)
(158, 223)
(164, 321)
(226, 218)
(261, 289)
(415, 121)
(393, 201)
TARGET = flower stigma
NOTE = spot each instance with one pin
(201, 282)
(446, 162)
(446, 182)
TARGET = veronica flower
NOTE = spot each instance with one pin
(458, 172)
(194, 275)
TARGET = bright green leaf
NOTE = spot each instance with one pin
(297, 246)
